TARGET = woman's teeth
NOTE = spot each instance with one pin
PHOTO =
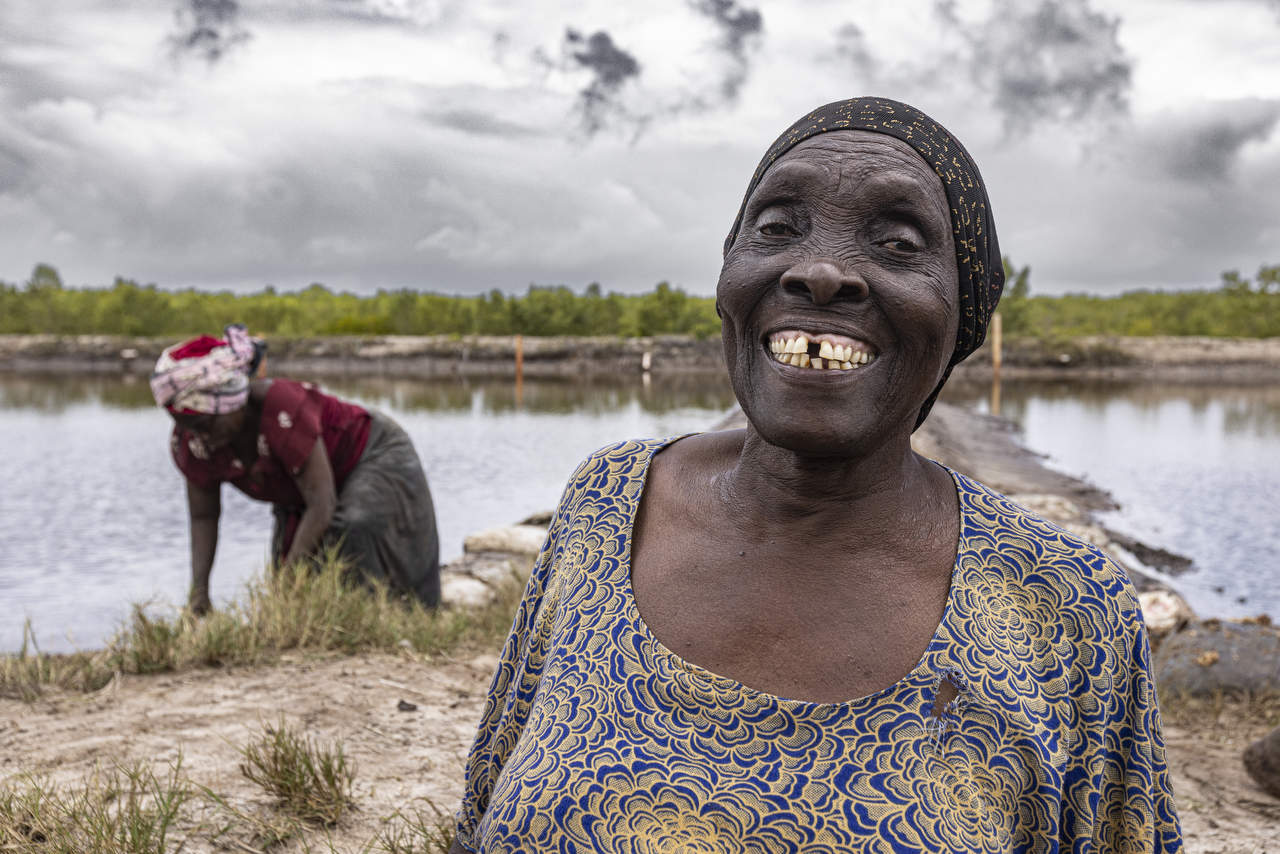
(795, 350)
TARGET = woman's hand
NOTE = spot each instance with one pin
(320, 496)
(204, 506)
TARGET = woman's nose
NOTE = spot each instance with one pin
(824, 280)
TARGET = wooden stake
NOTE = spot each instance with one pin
(519, 370)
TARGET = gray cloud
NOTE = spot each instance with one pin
(1058, 60)
(405, 12)
(739, 26)
(851, 48)
(14, 167)
(208, 28)
(478, 122)
(1208, 144)
(610, 68)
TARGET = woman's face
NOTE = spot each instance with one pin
(845, 244)
(216, 431)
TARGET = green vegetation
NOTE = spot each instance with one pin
(1239, 307)
(290, 609)
(43, 305)
(307, 780)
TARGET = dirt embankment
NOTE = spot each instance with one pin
(1167, 358)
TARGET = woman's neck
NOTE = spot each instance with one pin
(774, 490)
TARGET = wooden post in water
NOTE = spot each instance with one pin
(519, 371)
(997, 357)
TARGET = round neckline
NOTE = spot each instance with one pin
(719, 682)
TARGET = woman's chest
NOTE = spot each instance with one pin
(659, 763)
(794, 622)
(256, 472)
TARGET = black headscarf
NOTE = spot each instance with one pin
(981, 271)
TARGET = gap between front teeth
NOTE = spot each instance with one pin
(831, 357)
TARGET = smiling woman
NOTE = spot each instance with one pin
(802, 635)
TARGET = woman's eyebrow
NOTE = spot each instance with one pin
(787, 179)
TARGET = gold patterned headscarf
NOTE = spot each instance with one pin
(977, 250)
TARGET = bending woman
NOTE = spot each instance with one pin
(337, 473)
(802, 636)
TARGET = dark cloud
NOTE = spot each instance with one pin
(370, 11)
(208, 28)
(14, 168)
(739, 26)
(478, 122)
(1056, 60)
(610, 67)
(851, 47)
(1208, 144)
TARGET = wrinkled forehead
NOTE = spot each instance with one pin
(847, 161)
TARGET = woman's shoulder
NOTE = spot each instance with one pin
(618, 462)
(631, 459)
(1001, 537)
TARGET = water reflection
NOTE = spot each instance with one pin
(93, 514)
(1245, 409)
(54, 394)
(553, 396)
(591, 395)
(1195, 468)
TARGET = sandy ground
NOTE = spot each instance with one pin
(405, 757)
(401, 757)
(1222, 810)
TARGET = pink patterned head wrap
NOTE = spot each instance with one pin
(206, 375)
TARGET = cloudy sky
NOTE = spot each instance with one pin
(462, 145)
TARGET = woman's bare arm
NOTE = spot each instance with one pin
(204, 507)
(320, 496)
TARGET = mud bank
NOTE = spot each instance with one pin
(1165, 358)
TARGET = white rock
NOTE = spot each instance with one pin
(464, 590)
(513, 539)
(1163, 610)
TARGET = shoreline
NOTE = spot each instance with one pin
(1167, 359)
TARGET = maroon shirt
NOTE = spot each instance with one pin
(294, 416)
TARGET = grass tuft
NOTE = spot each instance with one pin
(127, 810)
(293, 608)
(424, 831)
(308, 780)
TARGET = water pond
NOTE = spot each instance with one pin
(93, 515)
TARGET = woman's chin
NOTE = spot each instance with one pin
(809, 437)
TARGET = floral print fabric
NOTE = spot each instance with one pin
(595, 737)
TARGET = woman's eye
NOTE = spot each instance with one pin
(900, 244)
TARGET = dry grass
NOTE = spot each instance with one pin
(309, 781)
(126, 810)
(135, 810)
(429, 830)
(1221, 711)
(291, 609)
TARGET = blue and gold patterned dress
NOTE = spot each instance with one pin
(596, 737)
